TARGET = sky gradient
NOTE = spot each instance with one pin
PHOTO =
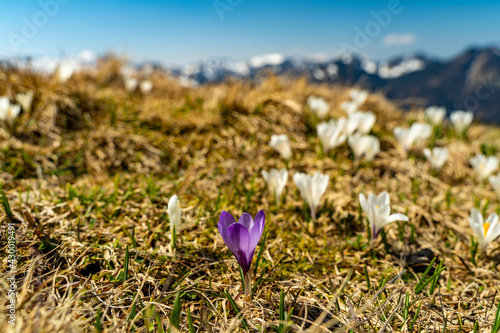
(177, 32)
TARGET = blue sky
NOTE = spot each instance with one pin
(175, 31)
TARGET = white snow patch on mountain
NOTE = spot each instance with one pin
(272, 59)
(369, 66)
(404, 67)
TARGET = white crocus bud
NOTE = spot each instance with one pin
(330, 134)
(364, 120)
(358, 96)
(484, 166)
(495, 183)
(461, 120)
(435, 115)
(364, 145)
(349, 106)
(25, 100)
(131, 84)
(311, 189)
(65, 71)
(319, 106)
(437, 157)
(276, 181)
(415, 135)
(174, 213)
(146, 86)
(281, 144)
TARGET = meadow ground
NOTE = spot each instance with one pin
(89, 171)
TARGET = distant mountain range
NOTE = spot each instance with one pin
(470, 81)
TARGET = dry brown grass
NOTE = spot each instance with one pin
(91, 168)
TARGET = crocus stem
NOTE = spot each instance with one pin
(174, 236)
(248, 283)
(313, 213)
(277, 200)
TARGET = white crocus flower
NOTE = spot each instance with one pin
(349, 125)
(484, 166)
(276, 181)
(25, 100)
(461, 120)
(311, 189)
(364, 121)
(416, 134)
(349, 106)
(378, 211)
(4, 107)
(364, 145)
(319, 106)
(437, 157)
(146, 86)
(65, 71)
(495, 183)
(330, 134)
(174, 213)
(435, 115)
(281, 144)
(487, 231)
(358, 96)
(8, 111)
(131, 84)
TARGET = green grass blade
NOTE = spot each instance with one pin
(236, 309)
(175, 316)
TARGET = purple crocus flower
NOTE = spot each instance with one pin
(242, 237)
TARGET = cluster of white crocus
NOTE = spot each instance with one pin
(484, 166)
(415, 135)
(131, 81)
(8, 111)
(25, 100)
(174, 213)
(486, 231)
(436, 156)
(364, 145)
(311, 189)
(331, 134)
(461, 120)
(281, 144)
(378, 211)
(276, 181)
(319, 106)
(334, 133)
(435, 115)
(357, 98)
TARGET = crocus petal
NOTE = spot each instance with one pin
(225, 221)
(257, 229)
(246, 220)
(383, 199)
(396, 217)
(364, 203)
(240, 240)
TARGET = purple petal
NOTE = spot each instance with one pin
(256, 231)
(226, 220)
(246, 220)
(240, 240)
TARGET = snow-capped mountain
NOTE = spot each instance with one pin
(469, 81)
